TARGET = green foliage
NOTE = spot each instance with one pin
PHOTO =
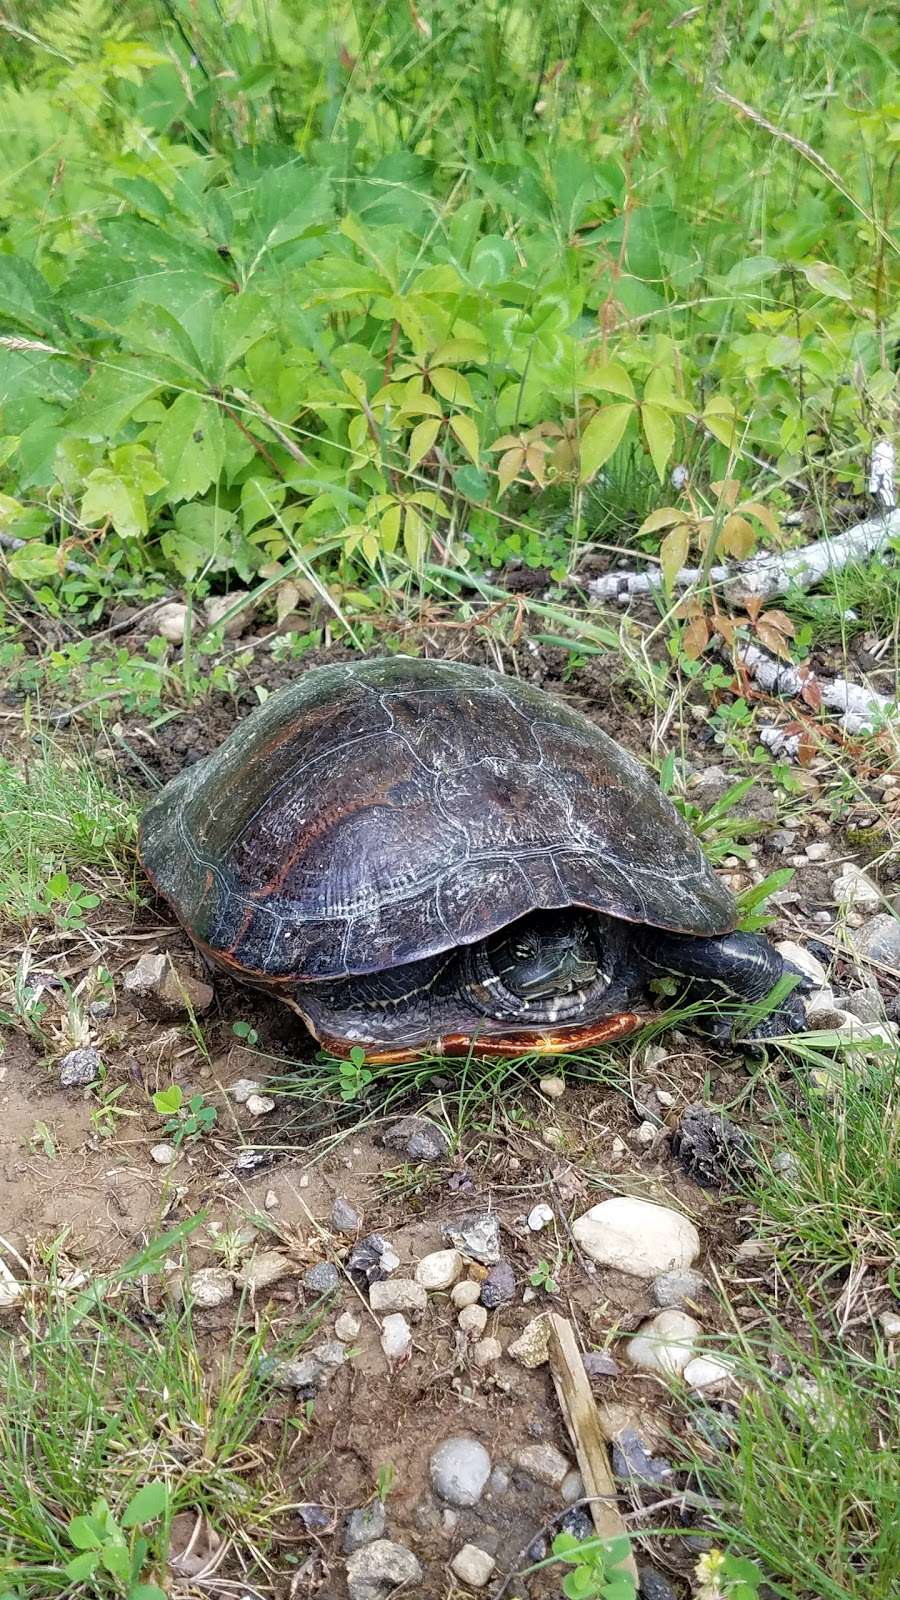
(106, 1553)
(597, 1568)
(259, 307)
(354, 1075)
(188, 1119)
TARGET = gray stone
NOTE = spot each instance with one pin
(499, 1286)
(577, 1523)
(211, 1286)
(460, 1468)
(367, 1262)
(486, 1351)
(79, 1068)
(600, 1364)
(632, 1461)
(439, 1270)
(477, 1235)
(499, 1481)
(572, 1487)
(344, 1216)
(473, 1321)
(162, 989)
(377, 1569)
(532, 1348)
(163, 1154)
(311, 1371)
(673, 1288)
(473, 1566)
(323, 1278)
(315, 1518)
(417, 1138)
(879, 939)
(467, 1293)
(664, 1345)
(544, 1463)
(653, 1586)
(866, 1005)
(398, 1294)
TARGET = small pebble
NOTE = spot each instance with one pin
(486, 1351)
(439, 1270)
(577, 1523)
(572, 1487)
(347, 1326)
(79, 1068)
(544, 1463)
(477, 1235)
(664, 1345)
(808, 964)
(378, 1569)
(259, 1105)
(632, 1460)
(364, 1525)
(460, 1468)
(241, 1090)
(552, 1087)
(211, 1286)
(466, 1293)
(163, 1154)
(264, 1268)
(396, 1337)
(323, 1278)
(473, 1321)
(646, 1133)
(271, 1201)
(619, 1147)
(315, 1518)
(600, 1364)
(532, 1348)
(344, 1216)
(890, 1324)
(854, 888)
(170, 620)
(653, 1586)
(540, 1216)
(673, 1288)
(819, 851)
(473, 1566)
(706, 1372)
(398, 1294)
(499, 1286)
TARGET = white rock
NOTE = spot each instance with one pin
(855, 888)
(10, 1288)
(552, 1087)
(802, 958)
(460, 1468)
(879, 939)
(486, 1351)
(890, 1324)
(218, 605)
(619, 1147)
(707, 1372)
(572, 1487)
(532, 1348)
(396, 1337)
(820, 850)
(242, 1089)
(540, 1216)
(646, 1133)
(473, 1321)
(665, 1098)
(472, 1566)
(346, 1327)
(439, 1270)
(820, 1006)
(664, 1344)
(211, 1286)
(381, 1568)
(171, 620)
(637, 1237)
(259, 1105)
(264, 1268)
(163, 1154)
(398, 1294)
(467, 1293)
(271, 1200)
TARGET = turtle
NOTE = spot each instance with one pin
(428, 856)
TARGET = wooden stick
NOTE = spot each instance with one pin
(583, 1422)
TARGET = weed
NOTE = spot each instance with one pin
(542, 1278)
(188, 1119)
(355, 1077)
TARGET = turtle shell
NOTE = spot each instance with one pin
(378, 812)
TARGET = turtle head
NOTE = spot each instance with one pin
(548, 954)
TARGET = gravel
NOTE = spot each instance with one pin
(673, 1288)
(473, 1566)
(544, 1463)
(396, 1337)
(364, 1526)
(323, 1278)
(398, 1294)
(417, 1138)
(439, 1270)
(637, 1237)
(664, 1345)
(344, 1217)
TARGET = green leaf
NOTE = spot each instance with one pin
(602, 437)
(612, 377)
(34, 562)
(84, 1534)
(466, 433)
(492, 260)
(827, 279)
(673, 553)
(146, 1591)
(422, 438)
(475, 485)
(150, 1502)
(81, 1567)
(109, 497)
(107, 400)
(659, 431)
(168, 1100)
(451, 386)
(190, 446)
(116, 1558)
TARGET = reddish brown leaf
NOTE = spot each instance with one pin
(773, 639)
(753, 606)
(695, 638)
(781, 621)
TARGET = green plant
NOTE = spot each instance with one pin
(542, 1278)
(246, 1032)
(385, 1481)
(354, 1076)
(117, 1549)
(597, 1568)
(188, 1119)
(723, 1576)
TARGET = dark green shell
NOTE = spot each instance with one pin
(382, 811)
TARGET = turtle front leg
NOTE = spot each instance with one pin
(733, 969)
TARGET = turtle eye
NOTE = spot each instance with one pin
(523, 949)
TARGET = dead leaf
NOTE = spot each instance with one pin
(773, 639)
(695, 638)
(673, 553)
(738, 537)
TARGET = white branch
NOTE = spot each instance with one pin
(767, 575)
(860, 709)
